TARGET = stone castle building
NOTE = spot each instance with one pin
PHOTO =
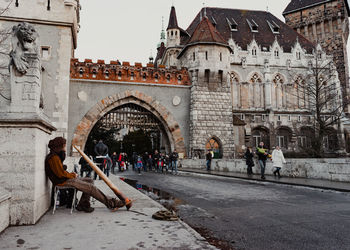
(244, 67)
(229, 80)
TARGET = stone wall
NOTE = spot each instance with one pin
(22, 156)
(326, 169)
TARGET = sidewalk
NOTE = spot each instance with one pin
(323, 184)
(104, 229)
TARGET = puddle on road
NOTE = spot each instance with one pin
(164, 198)
(170, 202)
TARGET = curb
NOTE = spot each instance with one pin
(271, 181)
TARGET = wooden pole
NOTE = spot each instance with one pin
(110, 184)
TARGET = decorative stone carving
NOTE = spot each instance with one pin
(24, 42)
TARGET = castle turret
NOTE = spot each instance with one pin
(173, 30)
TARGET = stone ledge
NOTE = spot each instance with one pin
(28, 120)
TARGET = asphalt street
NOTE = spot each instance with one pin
(242, 214)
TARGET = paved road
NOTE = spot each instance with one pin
(256, 215)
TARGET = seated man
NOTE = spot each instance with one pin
(58, 176)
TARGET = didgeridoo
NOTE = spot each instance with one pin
(120, 195)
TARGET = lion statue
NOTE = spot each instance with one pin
(24, 39)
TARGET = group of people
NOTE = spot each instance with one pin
(158, 162)
(276, 157)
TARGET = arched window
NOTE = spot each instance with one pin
(106, 74)
(278, 79)
(283, 137)
(214, 145)
(254, 52)
(260, 134)
(255, 78)
(305, 137)
(330, 140)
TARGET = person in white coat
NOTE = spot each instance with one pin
(277, 160)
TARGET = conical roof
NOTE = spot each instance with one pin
(173, 19)
(206, 32)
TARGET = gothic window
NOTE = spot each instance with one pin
(206, 55)
(298, 55)
(276, 53)
(194, 56)
(220, 57)
(234, 77)
(172, 33)
(278, 79)
(255, 78)
(215, 146)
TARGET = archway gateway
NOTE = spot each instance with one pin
(130, 128)
(100, 109)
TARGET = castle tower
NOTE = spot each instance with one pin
(173, 30)
(207, 55)
(327, 23)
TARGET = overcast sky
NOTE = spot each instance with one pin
(129, 30)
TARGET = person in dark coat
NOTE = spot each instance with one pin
(208, 157)
(249, 160)
(101, 150)
(262, 153)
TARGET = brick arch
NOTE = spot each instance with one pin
(105, 105)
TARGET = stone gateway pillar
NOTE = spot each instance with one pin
(24, 132)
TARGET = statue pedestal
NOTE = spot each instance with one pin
(23, 147)
(24, 135)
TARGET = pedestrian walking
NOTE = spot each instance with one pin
(139, 164)
(101, 150)
(114, 161)
(150, 162)
(107, 164)
(249, 160)
(173, 159)
(262, 157)
(277, 161)
(208, 157)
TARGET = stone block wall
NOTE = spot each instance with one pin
(336, 169)
(211, 114)
(22, 158)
